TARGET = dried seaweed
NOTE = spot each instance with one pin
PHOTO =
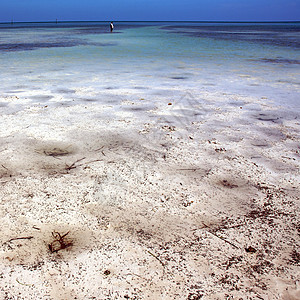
(73, 165)
(59, 242)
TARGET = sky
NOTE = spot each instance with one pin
(149, 10)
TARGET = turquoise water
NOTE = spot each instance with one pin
(161, 59)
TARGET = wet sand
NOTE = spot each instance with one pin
(190, 197)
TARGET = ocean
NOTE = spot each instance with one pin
(160, 161)
(72, 62)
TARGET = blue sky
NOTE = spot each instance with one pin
(129, 10)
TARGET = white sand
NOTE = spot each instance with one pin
(160, 201)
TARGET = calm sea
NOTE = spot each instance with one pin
(46, 61)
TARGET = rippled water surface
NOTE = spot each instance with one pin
(260, 60)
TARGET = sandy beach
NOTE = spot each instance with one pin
(194, 196)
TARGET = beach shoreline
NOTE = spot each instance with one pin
(190, 197)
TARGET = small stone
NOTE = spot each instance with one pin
(250, 249)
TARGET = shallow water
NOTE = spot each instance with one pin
(79, 61)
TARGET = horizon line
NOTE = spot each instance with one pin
(137, 21)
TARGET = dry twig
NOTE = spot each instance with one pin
(221, 238)
(72, 166)
(163, 264)
(59, 242)
(21, 238)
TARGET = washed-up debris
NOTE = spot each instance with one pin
(156, 257)
(228, 184)
(59, 242)
(250, 249)
(169, 128)
(74, 166)
(56, 152)
(220, 150)
(21, 238)
(212, 142)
